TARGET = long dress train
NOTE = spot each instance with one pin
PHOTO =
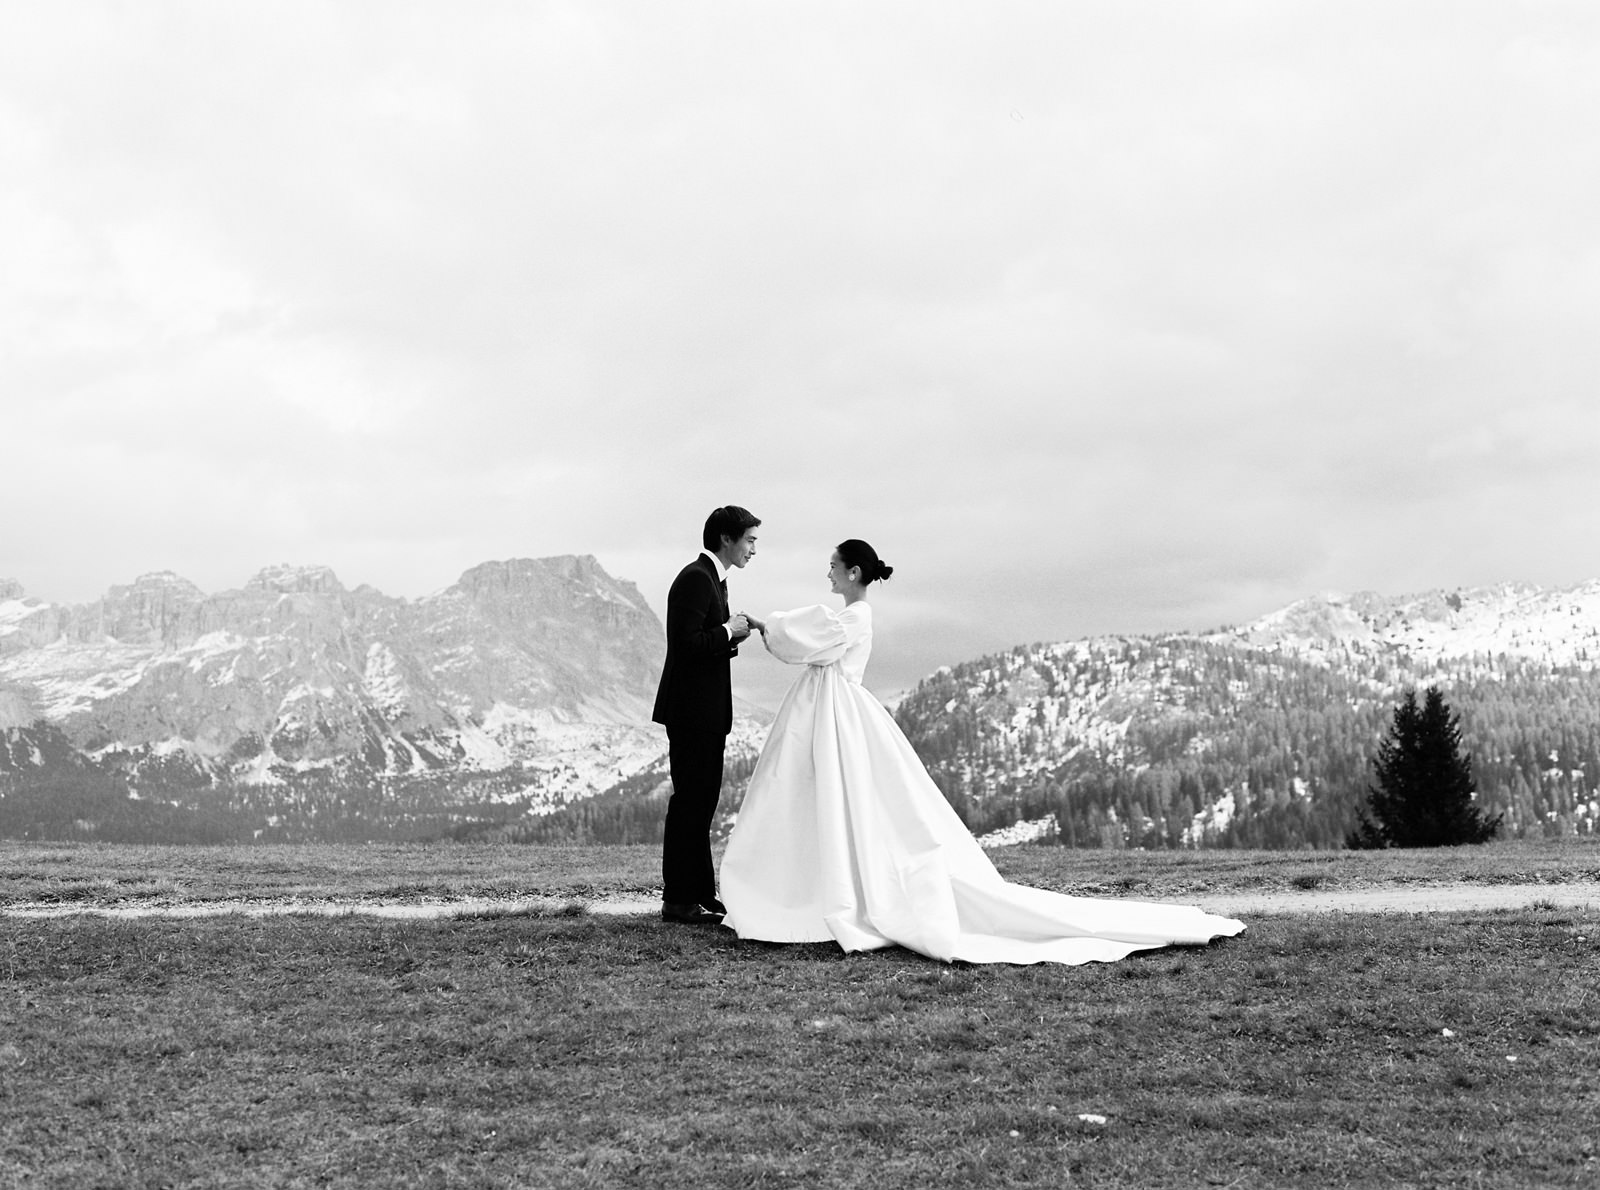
(844, 837)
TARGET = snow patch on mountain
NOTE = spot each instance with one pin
(504, 721)
(67, 678)
(258, 769)
(1212, 820)
(1559, 628)
(14, 611)
(15, 710)
(382, 679)
(481, 752)
(302, 691)
(210, 647)
(579, 759)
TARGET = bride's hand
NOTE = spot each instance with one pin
(756, 625)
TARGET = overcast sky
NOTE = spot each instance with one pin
(1109, 317)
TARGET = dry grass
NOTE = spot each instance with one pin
(1167, 874)
(104, 873)
(98, 873)
(568, 1050)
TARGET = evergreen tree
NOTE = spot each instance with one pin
(1423, 797)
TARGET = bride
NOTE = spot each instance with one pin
(843, 836)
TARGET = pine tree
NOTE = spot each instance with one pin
(1423, 797)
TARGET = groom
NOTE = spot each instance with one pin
(695, 703)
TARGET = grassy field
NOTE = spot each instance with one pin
(66, 873)
(562, 1049)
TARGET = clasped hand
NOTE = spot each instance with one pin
(742, 625)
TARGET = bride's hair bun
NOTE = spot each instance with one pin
(859, 554)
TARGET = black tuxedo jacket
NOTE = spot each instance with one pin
(696, 691)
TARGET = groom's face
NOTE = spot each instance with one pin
(739, 552)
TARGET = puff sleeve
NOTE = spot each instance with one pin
(807, 636)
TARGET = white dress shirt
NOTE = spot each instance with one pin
(722, 577)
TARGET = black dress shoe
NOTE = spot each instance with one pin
(689, 914)
(715, 906)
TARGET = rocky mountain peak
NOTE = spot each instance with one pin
(285, 579)
(167, 581)
(567, 579)
(156, 608)
(10, 589)
(518, 574)
(158, 589)
(567, 633)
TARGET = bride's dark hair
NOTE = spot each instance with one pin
(858, 553)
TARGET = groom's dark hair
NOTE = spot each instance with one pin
(730, 520)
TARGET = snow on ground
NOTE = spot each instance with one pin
(1021, 832)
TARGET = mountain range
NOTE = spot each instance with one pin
(298, 705)
(515, 704)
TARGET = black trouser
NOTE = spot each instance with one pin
(688, 875)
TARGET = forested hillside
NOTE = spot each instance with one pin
(1187, 741)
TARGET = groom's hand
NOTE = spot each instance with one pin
(739, 627)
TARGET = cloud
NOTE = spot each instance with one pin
(1092, 318)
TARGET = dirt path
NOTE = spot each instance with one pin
(1425, 898)
(1436, 898)
(401, 910)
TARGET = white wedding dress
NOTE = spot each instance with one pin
(844, 837)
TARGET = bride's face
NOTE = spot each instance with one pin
(838, 575)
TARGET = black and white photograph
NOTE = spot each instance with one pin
(896, 594)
